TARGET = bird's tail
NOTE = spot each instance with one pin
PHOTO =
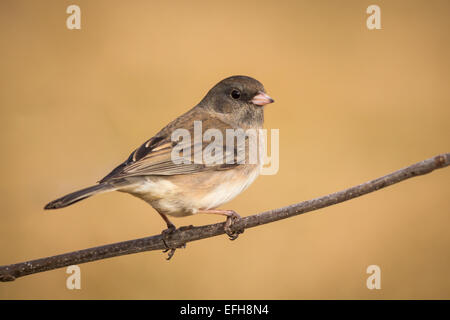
(79, 195)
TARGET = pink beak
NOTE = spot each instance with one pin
(261, 99)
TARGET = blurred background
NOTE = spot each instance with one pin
(352, 104)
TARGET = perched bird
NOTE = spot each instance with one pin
(186, 188)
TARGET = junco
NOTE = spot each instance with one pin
(186, 188)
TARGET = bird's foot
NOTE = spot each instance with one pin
(171, 250)
(167, 233)
(232, 218)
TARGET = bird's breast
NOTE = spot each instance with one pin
(183, 195)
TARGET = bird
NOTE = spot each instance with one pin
(183, 188)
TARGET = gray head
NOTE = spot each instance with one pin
(240, 97)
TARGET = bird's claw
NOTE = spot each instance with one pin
(231, 220)
(166, 234)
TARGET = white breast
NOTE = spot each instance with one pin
(227, 191)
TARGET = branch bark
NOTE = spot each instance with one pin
(180, 237)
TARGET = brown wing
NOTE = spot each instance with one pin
(154, 157)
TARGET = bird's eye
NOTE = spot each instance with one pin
(235, 94)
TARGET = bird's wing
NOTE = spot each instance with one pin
(155, 156)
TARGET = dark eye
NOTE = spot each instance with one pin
(235, 94)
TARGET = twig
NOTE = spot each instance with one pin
(181, 237)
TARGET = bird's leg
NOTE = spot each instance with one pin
(170, 226)
(232, 217)
(166, 233)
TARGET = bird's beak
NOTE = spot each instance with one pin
(261, 99)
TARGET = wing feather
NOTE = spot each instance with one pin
(154, 157)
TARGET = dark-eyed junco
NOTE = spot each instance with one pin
(184, 188)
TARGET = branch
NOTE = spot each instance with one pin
(181, 236)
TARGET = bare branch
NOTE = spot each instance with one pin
(181, 237)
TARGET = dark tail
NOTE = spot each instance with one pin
(79, 195)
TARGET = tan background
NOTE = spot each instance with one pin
(351, 105)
